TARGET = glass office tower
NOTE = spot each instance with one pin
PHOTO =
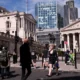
(46, 15)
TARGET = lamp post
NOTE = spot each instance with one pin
(16, 40)
(75, 53)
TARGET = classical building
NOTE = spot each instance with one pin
(43, 35)
(70, 12)
(71, 36)
(25, 24)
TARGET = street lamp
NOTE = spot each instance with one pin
(16, 40)
(75, 53)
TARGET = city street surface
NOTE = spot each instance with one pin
(66, 72)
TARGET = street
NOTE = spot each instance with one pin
(66, 72)
(40, 74)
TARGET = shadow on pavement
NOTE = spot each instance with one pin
(14, 75)
(65, 78)
(12, 72)
(63, 75)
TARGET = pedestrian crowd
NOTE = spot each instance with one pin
(28, 59)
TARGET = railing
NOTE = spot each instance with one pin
(8, 37)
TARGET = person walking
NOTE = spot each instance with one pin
(25, 59)
(14, 57)
(8, 66)
(53, 58)
(33, 57)
(45, 57)
(66, 57)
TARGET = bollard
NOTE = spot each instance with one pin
(62, 55)
(75, 59)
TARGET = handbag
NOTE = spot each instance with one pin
(57, 64)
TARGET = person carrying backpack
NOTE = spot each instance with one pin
(4, 61)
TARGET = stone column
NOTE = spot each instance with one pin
(32, 27)
(26, 28)
(23, 27)
(65, 48)
(29, 26)
(21, 22)
(79, 42)
(61, 39)
(73, 41)
(68, 43)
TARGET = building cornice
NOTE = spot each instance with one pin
(8, 14)
(20, 14)
(63, 29)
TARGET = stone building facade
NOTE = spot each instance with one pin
(25, 24)
(71, 36)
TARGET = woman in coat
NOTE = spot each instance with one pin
(53, 58)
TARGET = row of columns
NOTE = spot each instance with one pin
(29, 28)
(68, 42)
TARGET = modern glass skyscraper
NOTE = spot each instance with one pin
(46, 15)
(70, 12)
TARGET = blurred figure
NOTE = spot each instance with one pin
(71, 57)
(53, 58)
(25, 59)
(66, 57)
(4, 62)
(33, 56)
(14, 57)
(0, 56)
(45, 57)
(8, 66)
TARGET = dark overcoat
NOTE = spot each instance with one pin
(25, 55)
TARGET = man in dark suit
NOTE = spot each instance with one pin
(25, 59)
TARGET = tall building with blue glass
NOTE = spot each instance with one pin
(46, 15)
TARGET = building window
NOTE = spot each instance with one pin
(12, 31)
(7, 32)
(8, 24)
(8, 17)
(20, 22)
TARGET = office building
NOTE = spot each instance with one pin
(46, 15)
(70, 12)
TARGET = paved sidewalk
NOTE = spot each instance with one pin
(62, 65)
